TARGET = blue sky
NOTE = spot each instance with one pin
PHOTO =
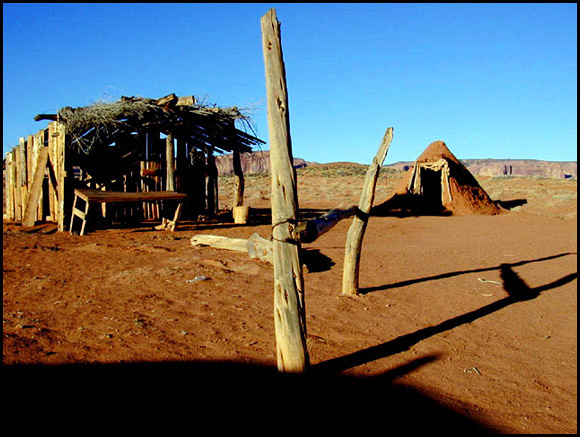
(491, 80)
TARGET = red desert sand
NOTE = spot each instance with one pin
(463, 322)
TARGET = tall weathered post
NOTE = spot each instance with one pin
(357, 229)
(170, 163)
(289, 310)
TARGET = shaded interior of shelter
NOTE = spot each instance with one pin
(409, 205)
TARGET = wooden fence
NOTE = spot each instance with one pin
(34, 178)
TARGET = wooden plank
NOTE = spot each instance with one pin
(17, 180)
(22, 175)
(60, 139)
(39, 144)
(35, 189)
(8, 192)
(289, 310)
(98, 196)
(357, 229)
(13, 179)
(30, 161)
(52, 171)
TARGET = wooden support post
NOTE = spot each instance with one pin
(357, 229)
(239, 176)
(289, 309)
(212, 184)
(8, 192)
(16, 183)
(60, 140)
(170, 163)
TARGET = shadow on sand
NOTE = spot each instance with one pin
(517, 291)
(218, 396)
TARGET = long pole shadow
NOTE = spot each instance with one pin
(405, 283)
(516, 288)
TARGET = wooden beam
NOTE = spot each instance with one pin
(35, 189)
(357, 229)
(186, 101)
(168, 101)
(308, 231)
(289, 310)
(51, 117)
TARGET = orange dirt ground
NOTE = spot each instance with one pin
(464, 323)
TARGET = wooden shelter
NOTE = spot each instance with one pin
(438, 183)
(132, 145)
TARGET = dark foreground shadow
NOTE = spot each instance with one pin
(219, 396)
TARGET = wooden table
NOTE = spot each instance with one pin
(96, 196)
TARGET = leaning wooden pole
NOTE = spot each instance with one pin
(289, 310)
(357, 229)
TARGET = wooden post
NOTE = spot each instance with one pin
(17, 183)
(289, 310)
(35, 194)
(60, 139)
(22, 177)
(170, 163)
(239, 176)
(212, 184)
(357, 228)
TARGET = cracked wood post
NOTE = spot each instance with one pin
(357, 229)
(170, 163)
(289, 310)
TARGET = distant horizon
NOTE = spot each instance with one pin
(387, 163)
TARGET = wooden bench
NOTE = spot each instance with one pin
(96, 196)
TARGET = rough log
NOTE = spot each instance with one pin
(357, 229)
(168, 100)
(289, 310)
(309, 230)
(256, 246)
(186, 101)
(51, 117)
